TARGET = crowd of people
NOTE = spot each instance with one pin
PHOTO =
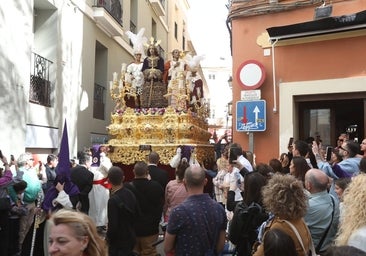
(54, 202)
(253, 209)
(311, 199)
(299, 203)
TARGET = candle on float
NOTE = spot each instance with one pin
(124, 67)
(114, 76)
(120, 84)
(111, 85)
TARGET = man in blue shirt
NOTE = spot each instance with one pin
(197, 226)
(322, 216)
(348, 167)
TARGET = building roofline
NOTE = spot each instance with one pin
(355, 21)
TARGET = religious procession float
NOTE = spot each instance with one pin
(159, 106)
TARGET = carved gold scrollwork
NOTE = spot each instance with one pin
(129, 154)
(163, 129)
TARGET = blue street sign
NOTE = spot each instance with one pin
(251, 116)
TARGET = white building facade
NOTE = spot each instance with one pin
(57, 58)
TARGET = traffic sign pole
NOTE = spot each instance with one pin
(251, 142)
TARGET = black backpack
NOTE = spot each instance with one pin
(244, 225)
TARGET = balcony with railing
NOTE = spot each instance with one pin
(161, 51)
(158, 6)
(108, 16)
(98, 107)
(133, 29)
(40, 85)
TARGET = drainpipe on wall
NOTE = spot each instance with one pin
(274, 77)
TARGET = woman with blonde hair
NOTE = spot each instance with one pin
(218, 180)
(352, 229)
(74, 234)
(284, 196)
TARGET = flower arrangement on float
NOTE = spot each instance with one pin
(151, 111)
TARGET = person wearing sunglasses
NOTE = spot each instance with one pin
(348, 167)
(342, 138)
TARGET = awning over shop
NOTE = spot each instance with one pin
(324, 26)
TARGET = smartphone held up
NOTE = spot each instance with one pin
(328, 153)
(290, 142)
(232, 156)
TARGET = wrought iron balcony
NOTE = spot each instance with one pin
(133, 29)
(99, 98)
(158, 7)
(40, 86)
(161, 51)
(99, 92)
(108, 16)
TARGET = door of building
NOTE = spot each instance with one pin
(328, 118)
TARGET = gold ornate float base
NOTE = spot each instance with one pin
(129, 154)
(134, 131)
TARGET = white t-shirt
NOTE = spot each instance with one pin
(235, 181)
(358, 238)
(245, 162)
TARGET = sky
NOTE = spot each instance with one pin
(208, 31)
(206, 21)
